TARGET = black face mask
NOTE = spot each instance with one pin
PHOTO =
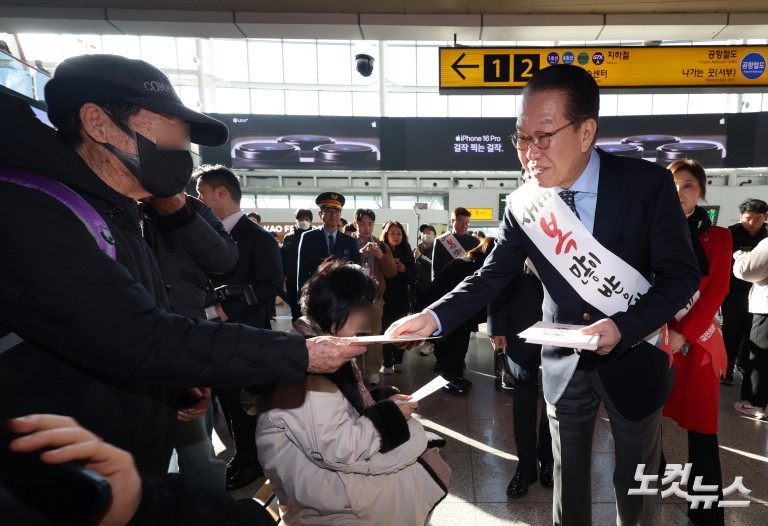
(162, 173)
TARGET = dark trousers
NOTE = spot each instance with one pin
(704, 458)
(451, 351)
(754, 387)
(572, 423)
(390, 353)
(737, 322)
(530, 448)
(242, 427)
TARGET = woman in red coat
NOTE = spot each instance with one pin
(698, 344)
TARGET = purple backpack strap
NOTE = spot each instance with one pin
(61, 192)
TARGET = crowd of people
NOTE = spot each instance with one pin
(130, 306)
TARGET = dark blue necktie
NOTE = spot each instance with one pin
(568, 196)
(331, 244)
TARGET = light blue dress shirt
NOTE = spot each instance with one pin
(585, 200)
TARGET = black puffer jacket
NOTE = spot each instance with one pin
(190, 244)
(99, 343)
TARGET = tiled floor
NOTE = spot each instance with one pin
(481, 452)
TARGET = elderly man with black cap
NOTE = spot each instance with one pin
(84, 326)
(320, 243)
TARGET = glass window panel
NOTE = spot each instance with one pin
(229, 59)
(125, 45)
(750, 102)
(190, 96)
(335, 103)
(301, 103)
(303, 201)
(635, 104)
(333, 64)
(435, 202)
(499, 105)
(670, 103)
(268, 101)
(464, 105)
(431, 105)
(427, 66)
(401, 65)
(367, 201)
(401, 104)
(265, 61)
(186, 53)
(73, 45)
(707, 103)
(233, 100)
(159, 51)
(365, 104)
(402, 202)
(300, 62)
(609, 105)
(272, 201)
(42, 47)
(248, 201)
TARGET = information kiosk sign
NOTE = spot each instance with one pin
(611, 66)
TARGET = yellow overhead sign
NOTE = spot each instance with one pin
(611, 66)
(481, 214)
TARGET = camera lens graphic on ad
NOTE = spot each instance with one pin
(286, 142)
(698, 137)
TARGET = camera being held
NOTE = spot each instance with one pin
(227, 293)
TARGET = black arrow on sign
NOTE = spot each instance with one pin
(455, 66)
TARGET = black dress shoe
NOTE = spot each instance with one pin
(462, 382)
(519, 484)
(239, 477)
(452, 388)
(547, 474)
(434, 440)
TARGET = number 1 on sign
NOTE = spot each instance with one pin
(496, 68)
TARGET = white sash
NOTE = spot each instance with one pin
(452, 245)
(598, 276)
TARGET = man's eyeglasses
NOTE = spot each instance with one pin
(539, 139)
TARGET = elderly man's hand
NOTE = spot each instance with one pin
(609, 335)
(328, 353)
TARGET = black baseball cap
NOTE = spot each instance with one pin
(104, 78)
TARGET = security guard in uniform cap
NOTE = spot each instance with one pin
(318, 244)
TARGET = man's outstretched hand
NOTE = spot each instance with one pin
(422, 324)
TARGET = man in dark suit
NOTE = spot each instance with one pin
(631, 208)
(290, 253)
(318, 244)
(259, 266)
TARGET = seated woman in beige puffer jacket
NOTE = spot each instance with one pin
(333, 454)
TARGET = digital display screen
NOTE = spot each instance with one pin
(664, 139)
(471, 144)
(299, 142)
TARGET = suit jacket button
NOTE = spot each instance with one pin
(586, 316)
